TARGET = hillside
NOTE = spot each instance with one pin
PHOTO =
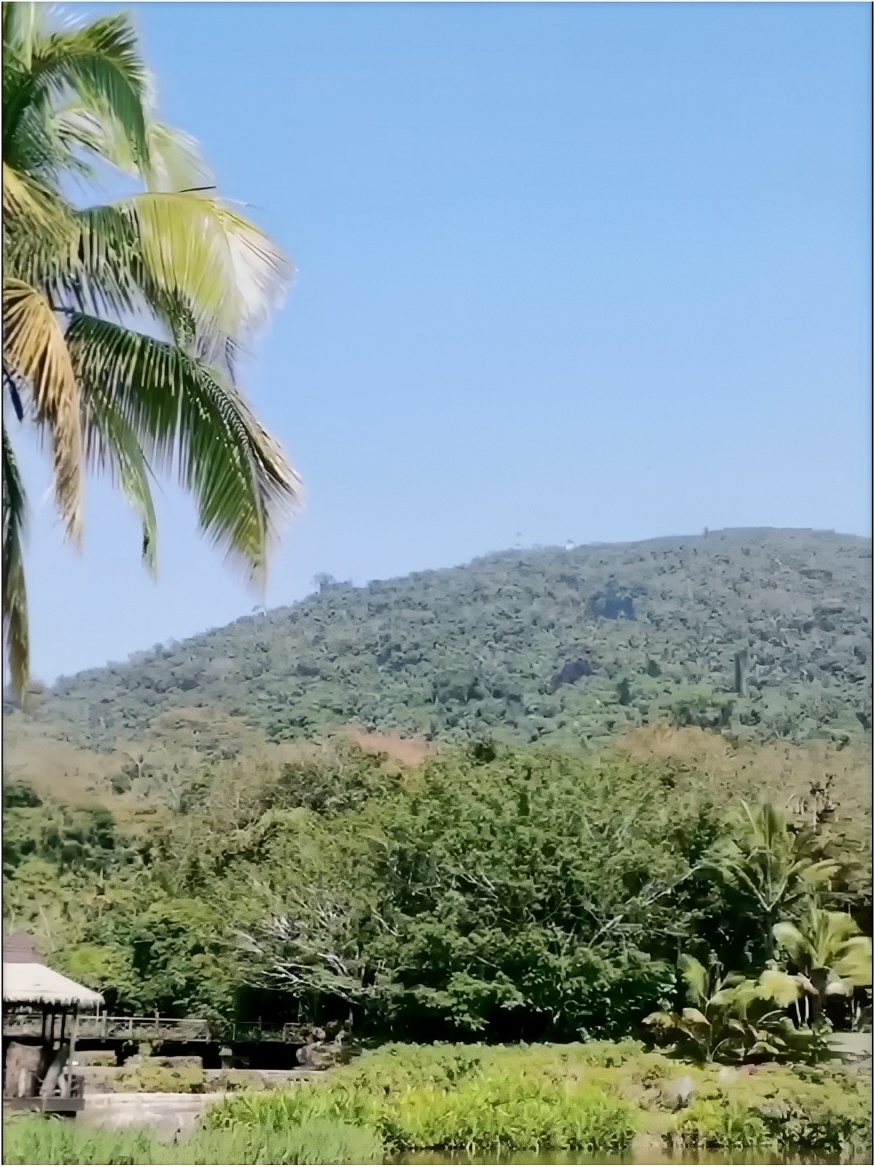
(765, 633)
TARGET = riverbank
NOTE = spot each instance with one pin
(602, 1102)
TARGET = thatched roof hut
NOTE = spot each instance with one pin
(27, 981)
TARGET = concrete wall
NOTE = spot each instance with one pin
(167, 1115)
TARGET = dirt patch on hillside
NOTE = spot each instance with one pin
(410, 751)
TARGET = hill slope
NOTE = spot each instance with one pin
(570, 645)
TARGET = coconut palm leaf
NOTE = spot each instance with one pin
(35, 355)
(100, 63)
(196, 250)
(112, 447)
(15, 625)
(191, 422)
(21, 23)
(29, 207)
(122, 323)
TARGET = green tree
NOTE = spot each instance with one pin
(774, 869)
(122, 322)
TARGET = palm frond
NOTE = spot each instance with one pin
(100, 63)
(695, 975)
(791, 940)
(191, 422)
(35, 351)
(21, 23)
(31, 207)
(15, 624)
(93, 267)
(112, 447)
(175, 161)
(194, 249)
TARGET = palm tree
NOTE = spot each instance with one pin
(829, 951)
(123, 322)
(775, 868)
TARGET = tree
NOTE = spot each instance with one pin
(123, 323)
(774, 868)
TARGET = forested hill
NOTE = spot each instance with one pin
(764, 632)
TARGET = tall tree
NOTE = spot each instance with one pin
(123, 322)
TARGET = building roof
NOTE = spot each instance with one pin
(34, 984)
(21, 949)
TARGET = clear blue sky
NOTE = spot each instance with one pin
(565, 271)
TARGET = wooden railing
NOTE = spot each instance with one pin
(103, 1027)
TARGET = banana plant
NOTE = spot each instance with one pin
(830, 954)
(734, 1018)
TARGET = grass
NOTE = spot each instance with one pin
(593, 1097)
(499, 1101)
(43, 1140)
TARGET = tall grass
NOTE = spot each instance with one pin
(593, 1098)
(43, 1140)
(456, 1097)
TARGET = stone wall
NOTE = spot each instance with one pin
(169, 1116)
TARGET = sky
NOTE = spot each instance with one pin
(589, 272)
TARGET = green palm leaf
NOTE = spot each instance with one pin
(696, 977)
(191, 422)
(15, 626)
(230, 275)
(111, 446)
(201, 276)
(99, 62)
(35, 355)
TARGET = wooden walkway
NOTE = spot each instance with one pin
(188, 1030)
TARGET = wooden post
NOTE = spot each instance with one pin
(64, 1076)
(74, 1027)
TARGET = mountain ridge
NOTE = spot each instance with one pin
(762, 632)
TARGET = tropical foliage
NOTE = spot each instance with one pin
(737, 1019)
(828, 952)
(123, 321)
(491, 893)
(775, 870)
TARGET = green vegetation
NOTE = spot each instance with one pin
(571, 647)
(594, 1097)
(498, 893)
(78, 103)
(739, 1019)
(36, 1140)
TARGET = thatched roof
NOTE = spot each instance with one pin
(34, 984)
(21, 949)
